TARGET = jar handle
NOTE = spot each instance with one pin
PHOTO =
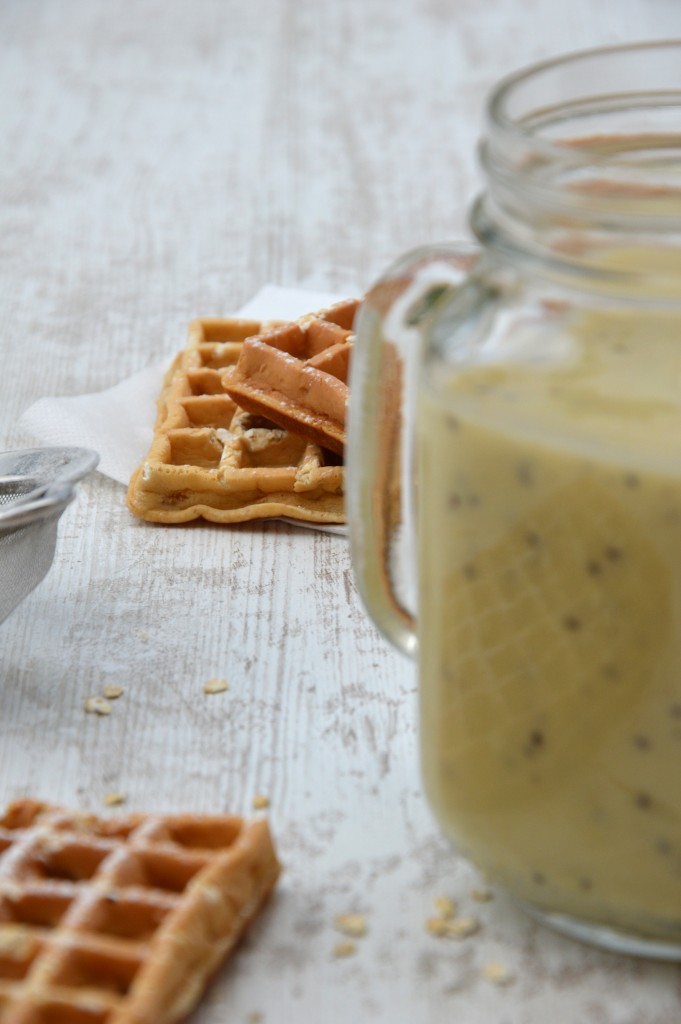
(379, 455)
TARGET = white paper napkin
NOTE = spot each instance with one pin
(118, 423)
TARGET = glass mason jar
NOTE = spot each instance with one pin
(514, 497)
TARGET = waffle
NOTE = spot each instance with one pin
(297, 374)
(122, 920)
(212, 458)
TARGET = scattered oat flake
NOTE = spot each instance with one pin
(97, 706)
(463, 926)
(112, 692)
(351, 924)
(343, 949)
(497, 973)
(114, 799)
(260, 802)
(215, 686)
(481, 894)
(445, 907)
(454, 927)
(436, 926)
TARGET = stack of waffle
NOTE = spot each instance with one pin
(251, 423)
(121, 921)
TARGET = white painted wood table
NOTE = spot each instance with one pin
(162, 160)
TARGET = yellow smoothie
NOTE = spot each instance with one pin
(550, 614)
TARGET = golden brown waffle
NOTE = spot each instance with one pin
(297, 375)
(121, 920)
(210, 458)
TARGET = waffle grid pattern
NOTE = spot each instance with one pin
(212, 458)
(122, 920)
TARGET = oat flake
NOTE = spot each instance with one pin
(97, 706)
(344, 949)
(445, 907)
(436, 926)
(215, 686)
(112, 692)
(114, 799)
(497, 973)
(453, 928)
(351, 924)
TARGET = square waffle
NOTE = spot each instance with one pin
(211, 458)
(121, 920)
(297, 374)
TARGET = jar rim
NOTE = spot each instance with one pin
(590, 137)
(501, 96)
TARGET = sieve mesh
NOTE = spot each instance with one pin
(36, 485)
(25, 556)
(12, 488)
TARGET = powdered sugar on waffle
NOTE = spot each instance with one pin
(124, 918)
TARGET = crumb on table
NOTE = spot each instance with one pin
(215, 686)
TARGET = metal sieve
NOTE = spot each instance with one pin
(36, 485)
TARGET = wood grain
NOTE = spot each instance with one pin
(162, 162)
